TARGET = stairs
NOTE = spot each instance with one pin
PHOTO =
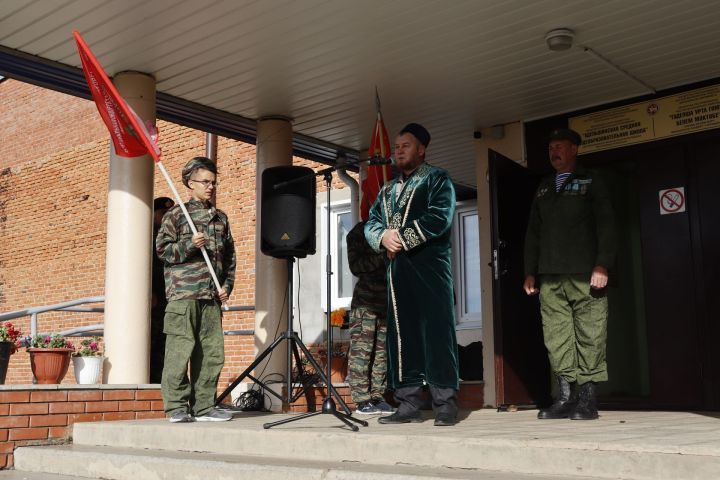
(484, 445)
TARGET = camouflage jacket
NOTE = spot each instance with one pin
(369, 267)
(186, 273)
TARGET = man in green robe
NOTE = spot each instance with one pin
(410, 221)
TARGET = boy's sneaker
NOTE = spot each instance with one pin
(382, 406)
(181, 417)
(215, 415)
(367, 408)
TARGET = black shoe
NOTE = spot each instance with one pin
(398, 417)
(564, 404)
(445, 420)
(586, 408)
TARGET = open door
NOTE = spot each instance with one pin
(522, 371)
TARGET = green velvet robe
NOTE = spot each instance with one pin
(421, 343)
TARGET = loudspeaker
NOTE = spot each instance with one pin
(287, 212)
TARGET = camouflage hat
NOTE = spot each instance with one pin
(197, 163)
(565, 134)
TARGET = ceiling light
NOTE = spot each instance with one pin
(559, 39)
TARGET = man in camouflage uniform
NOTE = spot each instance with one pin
(368, 326)
(570, 246)
(193, 319)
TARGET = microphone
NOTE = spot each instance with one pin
(381, 161)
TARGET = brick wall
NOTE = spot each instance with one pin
(41, 415)
(54, 154)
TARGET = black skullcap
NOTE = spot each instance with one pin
(194, 164)
(565, 134)
(417, 131)
(162, 203)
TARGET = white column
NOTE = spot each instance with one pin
(274, 148)
(129, 248)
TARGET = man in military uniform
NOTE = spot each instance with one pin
(368, 326)
(569, 247)
(159, 301)
(193, 319)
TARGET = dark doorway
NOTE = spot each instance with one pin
(522, 371)
(664, 326)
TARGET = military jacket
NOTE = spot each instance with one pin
(186, 273)
(573, 230)
(369, 268)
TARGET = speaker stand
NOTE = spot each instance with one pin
(328, 406)
(293, 342)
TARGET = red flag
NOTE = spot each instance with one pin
(128, 132)
(377, 175)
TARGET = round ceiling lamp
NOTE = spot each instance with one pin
(559, 39)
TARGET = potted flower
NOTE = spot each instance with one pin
(340, 318)
(87, 362)
(49, 358)
(339, 363)
(10, 338)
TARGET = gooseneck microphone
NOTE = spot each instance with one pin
(381, 161)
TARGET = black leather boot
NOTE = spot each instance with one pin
(586, 408)
(564, 403)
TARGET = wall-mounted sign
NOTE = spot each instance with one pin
(672, 200)
(680, 114)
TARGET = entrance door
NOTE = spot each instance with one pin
(522, 371)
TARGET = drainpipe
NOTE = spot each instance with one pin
(354, 189)
(211, 147)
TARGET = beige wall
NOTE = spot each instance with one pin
(509, 144)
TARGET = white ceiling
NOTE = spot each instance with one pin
(453, 65)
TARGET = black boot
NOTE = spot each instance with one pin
(564, 403)
(586, 408)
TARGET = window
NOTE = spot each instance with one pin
(466, 259)
(342, 280)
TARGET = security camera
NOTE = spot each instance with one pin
(477, 134)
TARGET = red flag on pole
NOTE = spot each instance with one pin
(377, 175)
(129, 135)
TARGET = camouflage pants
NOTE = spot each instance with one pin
(367, 360)
(194, 334)
(574, 318)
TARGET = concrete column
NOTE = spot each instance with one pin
(274, 148)
(129, 248)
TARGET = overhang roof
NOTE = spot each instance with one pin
(455, 66)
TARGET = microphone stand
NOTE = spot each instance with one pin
(328, 406)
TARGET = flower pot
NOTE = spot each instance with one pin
(49, 365)
(6, 349)
(88, 370)
(338, 369)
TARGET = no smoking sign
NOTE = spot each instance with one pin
(672, 200)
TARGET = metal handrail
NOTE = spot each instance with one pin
(72, 306)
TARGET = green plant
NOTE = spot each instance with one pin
(51, 341)
(90, 347)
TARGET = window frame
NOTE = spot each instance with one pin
(337, 208)
(464, 320)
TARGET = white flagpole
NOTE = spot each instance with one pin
(192, 225)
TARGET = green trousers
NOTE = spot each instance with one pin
(367, 361)
(194, 335)
(574, 318)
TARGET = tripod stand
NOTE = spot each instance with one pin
(293, 342)
(328, 406)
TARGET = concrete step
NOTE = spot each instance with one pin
(135, 464)
(620, 445)
(18, 475)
